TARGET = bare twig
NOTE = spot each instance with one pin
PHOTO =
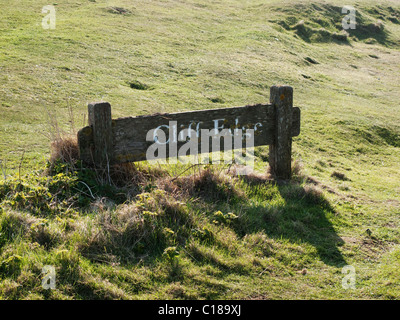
(91, 194)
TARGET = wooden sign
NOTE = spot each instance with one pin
(108, 140)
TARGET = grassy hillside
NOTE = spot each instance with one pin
(202, 233)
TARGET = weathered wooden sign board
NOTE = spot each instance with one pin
(108, 140)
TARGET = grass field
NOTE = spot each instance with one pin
(155, 233)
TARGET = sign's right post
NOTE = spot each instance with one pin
(280, 152)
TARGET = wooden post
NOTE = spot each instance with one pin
(280, 152)
(100, 121)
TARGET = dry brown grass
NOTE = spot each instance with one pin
(256, 178)
(130, 174)
(209, 185)
(297, 170)
(64, 149)
(126, 232)
(63, 144)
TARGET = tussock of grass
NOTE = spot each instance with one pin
(65, 149)
(138, 85)
(210, 185)
(310, 193)
(339, 175)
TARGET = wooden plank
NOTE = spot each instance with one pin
(129, 134)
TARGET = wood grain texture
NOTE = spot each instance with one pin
(129, 134)
(280, 151)
(100, 122)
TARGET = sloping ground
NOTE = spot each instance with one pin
(324, 23)
(201, 233)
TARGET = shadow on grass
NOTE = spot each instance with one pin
(303, 215)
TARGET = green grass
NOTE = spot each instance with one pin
(205, 234)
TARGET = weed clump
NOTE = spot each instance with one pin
(138, 85)
(259, 243)
(339, 175)
(41, 195)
